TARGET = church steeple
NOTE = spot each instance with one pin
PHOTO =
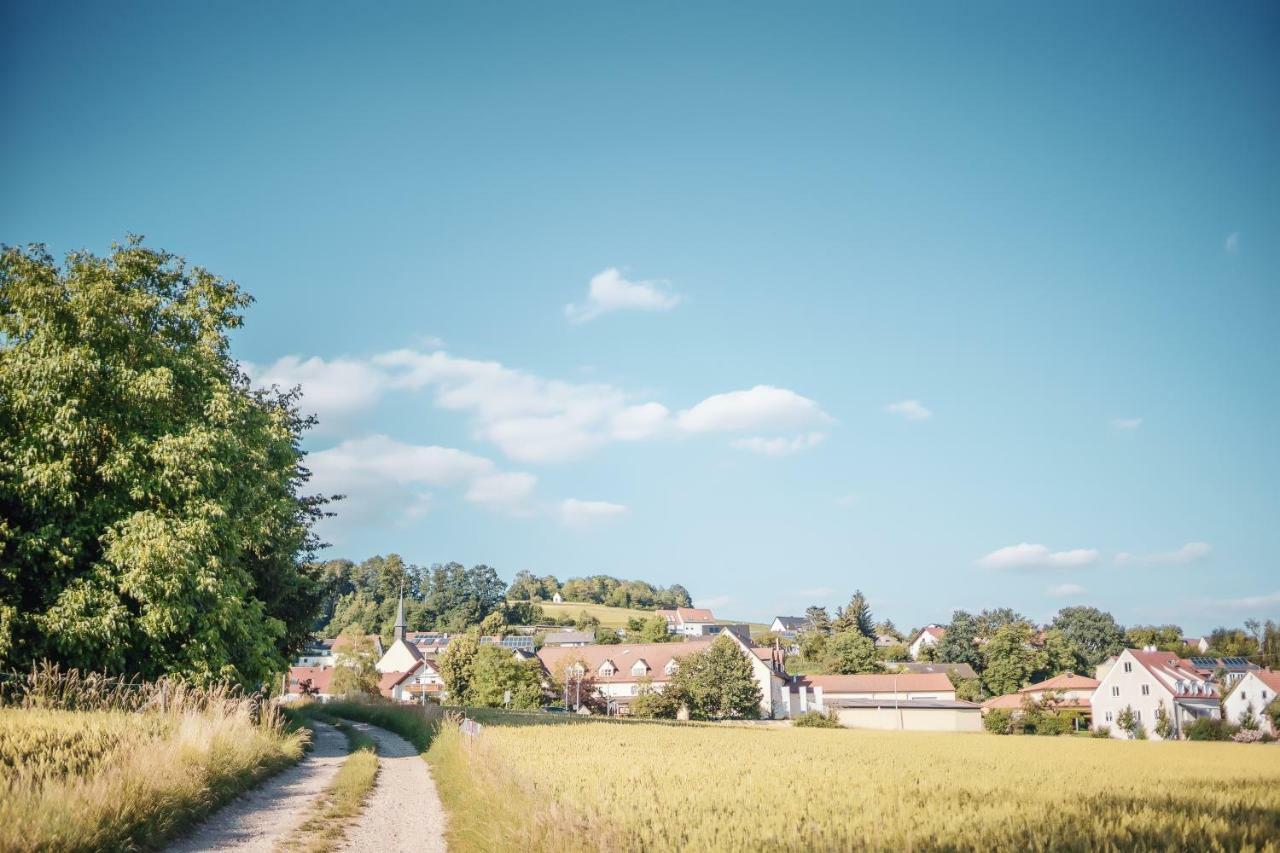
(400, 626)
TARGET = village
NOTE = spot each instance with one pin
(1135, 693)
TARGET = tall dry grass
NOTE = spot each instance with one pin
(93, 763)
(652, 788)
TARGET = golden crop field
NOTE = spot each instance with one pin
(113, 779)
(651, 787)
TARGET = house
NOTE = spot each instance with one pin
(884, 641)
(421, 682)
(1253, 692)
(569, 638)
(788, 626)
(1151, 682)
(893, 701)
(688, 621)
(1068, 692)
(618, 671)
(1200, 644)
(315, 679)
(956, 670)
(321, 652)
(742, 632)
(557, 598)
(930, 635)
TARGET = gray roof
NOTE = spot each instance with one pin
(905, 704)
(961, 670)
(792, 623)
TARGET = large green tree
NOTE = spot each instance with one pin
(152, 516)
(959, 644)
(856, 617)
(717, 683)
(849, 652)
(1094, 633)
(497, 673)
(1011, 658)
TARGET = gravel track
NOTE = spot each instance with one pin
(265, 815)
(404, 810)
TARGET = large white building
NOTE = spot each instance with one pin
(1151, 682)
(930, 635)
(688, 621)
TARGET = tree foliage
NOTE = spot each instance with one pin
(152, 518)
(1010, 659)
(445, 597)
(615, 592)
(495, 672)
(357, 666)
(850, 652)
(856, 616)
(717, 683)
(958, 643)
(457, 667)
(1094, 633)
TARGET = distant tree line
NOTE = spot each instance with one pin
(1006, 649)
(598, 589)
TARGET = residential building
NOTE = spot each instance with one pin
(618, 671)
(569, 638)
(1152, 682)
(901, 701)
(884, 641)
(930, 635)
(1068, 691)
(1200, 644)
(1253, 692)
(688, 621)
(788, 626)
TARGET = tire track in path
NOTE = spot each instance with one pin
(403, 812)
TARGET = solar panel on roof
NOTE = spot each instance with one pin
(1204, 663)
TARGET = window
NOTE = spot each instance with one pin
(1137, 715)
(1146, 690)
(1242, 695)
(1115, 690)
(1128, 667)
(639, 668)
(607, 668)
(1108, 716)
(1264, 696)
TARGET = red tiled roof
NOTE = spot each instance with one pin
(1013, 702)
(623, 655)
(319, 676)
(1066, 681)
(1169, 669)
(695, 614)
(879, 683)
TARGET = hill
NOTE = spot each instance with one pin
(616, 617)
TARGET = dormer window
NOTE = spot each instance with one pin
(607, 668)
(639, 667)
(578, 670)
(671, 667)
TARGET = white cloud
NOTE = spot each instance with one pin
(1257, 603)
(1232, 243)
(1126, 423)
(608, 291)
(508, 491)
(381, 476)
(912, 410)
(576, 513)
(1188, 553)
(332, 390)
(780, 446)
(763, 407)
(1026, 555)
(532, 419)
(1066, 590)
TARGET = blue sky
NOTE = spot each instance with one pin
(964, 307)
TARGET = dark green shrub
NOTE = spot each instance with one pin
(817, 720)
(998, 722)
(1207, 729)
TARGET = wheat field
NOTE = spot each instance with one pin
(644, 787)
(86, 764)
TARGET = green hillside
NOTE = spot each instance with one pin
(616, 617)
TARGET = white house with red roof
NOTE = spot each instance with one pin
(930, 635)
(1152, 682)
(1253, 693)
(1068, 691)
(688, 621)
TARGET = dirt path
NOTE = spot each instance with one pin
(260, 818)
(404, 810)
